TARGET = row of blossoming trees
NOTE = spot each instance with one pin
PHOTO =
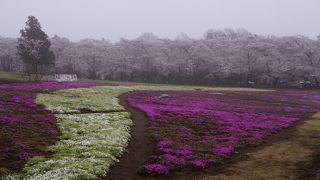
(228, 57)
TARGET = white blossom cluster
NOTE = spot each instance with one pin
(103, 98)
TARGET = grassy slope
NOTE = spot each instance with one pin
(18, 77)
(12, 76)
(292, 158)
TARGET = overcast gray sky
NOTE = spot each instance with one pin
(112, 19)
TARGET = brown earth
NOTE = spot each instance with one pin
(140, 147)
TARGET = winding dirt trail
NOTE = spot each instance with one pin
(140, 147)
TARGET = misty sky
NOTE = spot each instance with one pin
(112, 19)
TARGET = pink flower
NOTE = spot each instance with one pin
(157, 169)
(200, 164)
(224, 151)
(165, 144)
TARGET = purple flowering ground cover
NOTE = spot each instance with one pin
(197, 129)
(26, 128)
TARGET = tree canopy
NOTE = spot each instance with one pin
(34, 49)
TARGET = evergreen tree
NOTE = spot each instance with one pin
(34, 49)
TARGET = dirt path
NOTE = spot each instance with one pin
(139, 149)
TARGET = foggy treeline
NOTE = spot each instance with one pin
(222, 57)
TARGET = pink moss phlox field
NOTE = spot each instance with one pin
(26, 127)
(200, 128)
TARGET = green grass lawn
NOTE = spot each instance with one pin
(18, 77)
(11, 76)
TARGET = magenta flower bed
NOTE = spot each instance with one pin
(196, 128)
(26, 128)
